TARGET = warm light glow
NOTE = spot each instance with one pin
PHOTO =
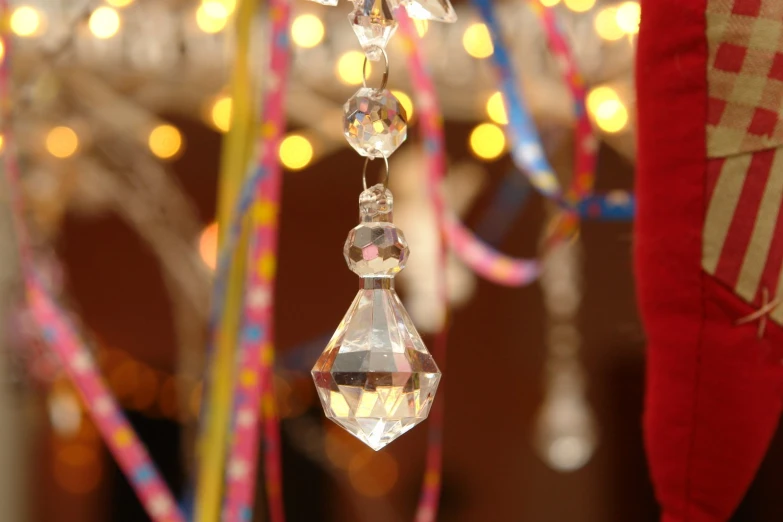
(211, 16)
(167, 398)
(372, 474)
(62, 142)
(487, 141)
(221, 113)
(628, 16)
(77, 468)
(165, 141)
(549, 3)
(307, 31)
(422, 26)
(496, 110)
(606, 24)
(104, 22)
(406, 103)
(598, 96)
(477, 41)
(228, 5)
(349, 67)
(579, 6)
(611, 116)
(208, 245)
(124, 379)
(147, 391)
(296, 152)
(2, 50)
(119, 3)
(25, 21)
(2, 143)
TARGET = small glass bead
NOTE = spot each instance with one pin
(375, 123)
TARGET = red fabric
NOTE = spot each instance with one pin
(713, 388)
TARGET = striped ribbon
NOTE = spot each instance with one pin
(254, 384)
(62, 337)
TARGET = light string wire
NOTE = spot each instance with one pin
(254, 382)
(61, 335)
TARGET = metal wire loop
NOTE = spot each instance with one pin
(385, 79)
(364, 172)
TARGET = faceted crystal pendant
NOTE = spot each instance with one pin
(435, 10)
(373, 24)
(376, 378)
(375, 122)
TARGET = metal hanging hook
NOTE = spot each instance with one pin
(364, 172)
(385, 79)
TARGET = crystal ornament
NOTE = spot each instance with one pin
(373, 24)
(375, 122)
(435, 10)
(376, 378)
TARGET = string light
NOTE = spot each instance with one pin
(228, 5)
(579, 6)
(119, 3)
(307, 31)
(628, 16)
(422, 26)
(477, 41)
(406, 103)
(598, 96)
(222, 112)
(104, 22)
(611, 116)
(165, 141)
(349, 67)
(208, 245)
(606, 24)
(212, 16)
(25, 21)
(496, 110)
(296, 152)
(549, 3)
(487, 141)
(62, 142)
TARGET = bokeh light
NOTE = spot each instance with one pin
(2, 51)
(307, 31)
(124, 379)
(422, 26)
(406, 103)
(119, 3)
(62, 142)
(606, 24)
(496, 110)
(599, 95)
(579, 6)
(212, 16)
(77, 468)
(25, 21)
(611, 116)
(477, 41)
(2, 143)
(208, 245)
(165, 141)
(296, 152)
(221, 113)
(549, 3)
(487, 141)
(104, 22)
(628, 16)
(339, 446)
(349, 67)
(228, 5)
(372, 474)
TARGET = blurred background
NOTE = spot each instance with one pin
(120, 108)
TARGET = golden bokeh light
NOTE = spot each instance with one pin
(477, 41)
(124, 379)
(372, 474)
(119, 3)
(598, 96)
(487, 141)
(228, 5)
(165, 141)
(208, 245)
(349, 67)
(2, 143)
(221, 113)
(212, 16)
(25, 21)
(579, 6)
(422, 26)
(496, 110)
(104, 22)
(405, 101)
(606, 24)
(628, 16)
(611, 116)
(62, 142)
(307, 31)
(296, 152)
(2, 51)
(77, 468)
(549, 3)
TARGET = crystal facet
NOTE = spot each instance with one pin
(376, 378)
(436, 10)
(375, 122)
(373, 23)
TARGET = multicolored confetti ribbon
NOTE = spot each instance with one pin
(62, 337)
(255, 372)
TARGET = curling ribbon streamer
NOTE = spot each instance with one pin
(61, 336)
(237, 154)
(256, 353)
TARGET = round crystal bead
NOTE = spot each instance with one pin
(375, 122)
(376, 249)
